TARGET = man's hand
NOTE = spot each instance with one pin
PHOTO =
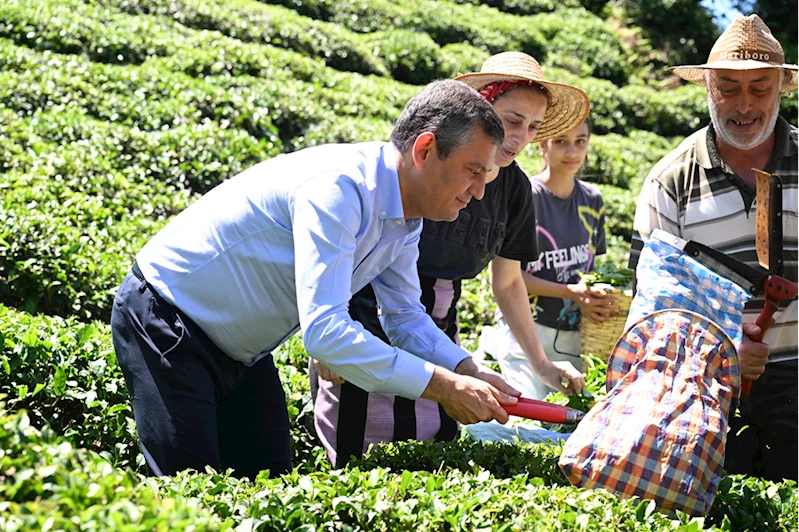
(752, 356)
(469, 367)
(327, 374)
(561, 376)
(595, 304)
(467, 399)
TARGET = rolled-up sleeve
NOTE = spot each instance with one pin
(403, 317)
(327, 214)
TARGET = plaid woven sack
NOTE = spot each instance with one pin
(660, 432)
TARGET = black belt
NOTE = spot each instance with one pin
(137, 272)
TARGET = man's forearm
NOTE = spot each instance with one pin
(541, 287)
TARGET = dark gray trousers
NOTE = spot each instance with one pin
(195, 406)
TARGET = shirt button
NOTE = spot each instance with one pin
(382, 213)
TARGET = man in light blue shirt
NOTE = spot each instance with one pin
(283, 247)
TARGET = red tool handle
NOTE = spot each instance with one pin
(777, 289)
(543, 411)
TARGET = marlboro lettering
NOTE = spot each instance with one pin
(743, 55)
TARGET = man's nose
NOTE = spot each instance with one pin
(744, 102)
(478, 188)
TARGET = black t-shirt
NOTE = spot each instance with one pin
(502, 223)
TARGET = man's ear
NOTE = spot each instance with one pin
(424, 147)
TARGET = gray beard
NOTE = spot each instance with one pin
(728, 138)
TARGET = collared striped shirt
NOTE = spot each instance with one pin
(691, 193)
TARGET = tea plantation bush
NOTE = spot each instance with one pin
(411, 57)
(575, 34)
(524, 7)
(250, 21)
(117, 114)
(46, 482)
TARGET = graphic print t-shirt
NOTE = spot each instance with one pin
(570, 233)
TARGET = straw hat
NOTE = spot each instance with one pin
(568, 105)
(746, 45)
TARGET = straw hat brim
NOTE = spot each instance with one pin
(695, 73)
(568, 106)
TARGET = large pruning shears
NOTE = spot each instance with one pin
(754, 279)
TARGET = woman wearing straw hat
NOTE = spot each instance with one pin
(705, 190)
(498, 229)
(570, 228)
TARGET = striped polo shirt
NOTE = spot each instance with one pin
(691, 193)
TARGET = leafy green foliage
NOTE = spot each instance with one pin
(624, 161)
(594, 371)
(501, 459)
(411, 57)
(73, 27)
(619, 211)
(251, 21)
(609, 274)
(461, 58)
(46, 483)
(476, 309)
(665, 22)
(524, 7)
(575, 34)
(65, 375)
(753, 504)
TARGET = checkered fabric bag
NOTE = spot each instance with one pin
(660, 432)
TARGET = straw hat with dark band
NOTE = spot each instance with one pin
(746, 45)
(568, 105)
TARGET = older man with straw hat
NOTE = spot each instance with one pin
(705, 190)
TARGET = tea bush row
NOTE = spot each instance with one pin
(443, 22)
(204, 55)
(64, 373)
(47, 483)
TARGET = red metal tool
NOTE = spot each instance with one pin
(543, 411)
(754, 279)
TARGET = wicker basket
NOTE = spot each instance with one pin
(600, 338)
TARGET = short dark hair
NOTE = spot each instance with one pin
(450, 110)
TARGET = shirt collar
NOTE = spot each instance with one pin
(389, 198)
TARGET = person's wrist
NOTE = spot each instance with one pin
(467, 366)
(442, 384)
(573, 292)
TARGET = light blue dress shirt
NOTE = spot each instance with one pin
(284, 245)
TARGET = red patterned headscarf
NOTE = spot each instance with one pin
(494, 89)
